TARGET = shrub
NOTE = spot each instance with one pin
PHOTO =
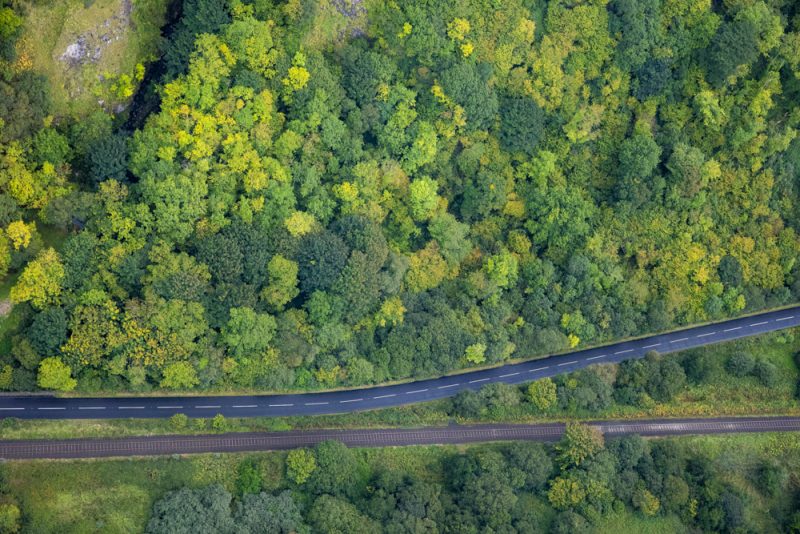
(740, 364)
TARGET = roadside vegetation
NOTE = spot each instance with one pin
(701, 382)
(738, 483)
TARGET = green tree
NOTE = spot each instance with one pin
(248, 478)
(219, 423)
(282, 286)
(333, 515)
(580, 442)
(423, 198)
(10, 517)
(179, 375)
(48, 331)
(337, 469)
(646, 502)
(542, 393)
(566, 492)
(108, 158)
(55, 374)
(522, 124)
(265, 513)
(735, 43)
(476, 353)
(502, 269)
(202, 511)
(248, 333)
(179, 421)
(469, 85)
(300, 465)
(40, 282)
(740, 364)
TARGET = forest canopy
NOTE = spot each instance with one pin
(433, 185)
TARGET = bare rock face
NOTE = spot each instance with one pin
(89, 45)
(76, 53)
(5, 307)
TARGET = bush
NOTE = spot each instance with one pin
(179, 421)
(766, 373)
(740, 364)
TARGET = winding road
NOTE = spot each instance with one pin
(331, 402)
(264, 441)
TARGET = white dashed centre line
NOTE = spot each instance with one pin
(732, 329)
(385, 396)
(784, 318)
(759, 324)
(245, 405)
(444, 387)
(509, 374)
(596, 357)
(567, 363)
(171, 407)
(416, 391)
(91, 407)
(279, 405)
(647, 346)
(350, 400)
(12, 408)
(679, 340)
(706, 334)
(539, 369)
(135, 407)
(478, 380)
(51, 408)
(210, 407)
(624, 351)
(316, 403)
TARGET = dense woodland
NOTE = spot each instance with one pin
(516, 488)
(437, 184)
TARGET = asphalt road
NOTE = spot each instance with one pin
(239, 442)
(51, 407)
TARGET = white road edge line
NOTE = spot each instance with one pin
(478, 380)
(732, 329)
(596, 357)
(444, 387)
(385, 396)
(509, 374)
(350, 400)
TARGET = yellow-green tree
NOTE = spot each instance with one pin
(40, 282)
(55, 374)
